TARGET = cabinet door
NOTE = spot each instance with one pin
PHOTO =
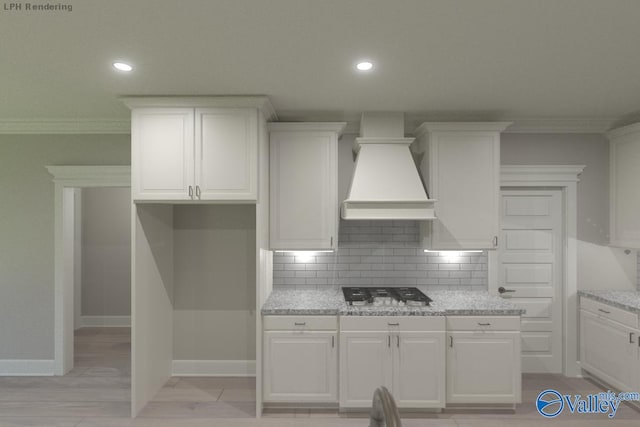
(300, 367)
(465, 181)
(226, 154)
(609, 351)
(162, 153)
(483, 367)
(624, 190)
(304, 200)
(365, 365)
(419, 369)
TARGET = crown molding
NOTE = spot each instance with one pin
(560, 125)
(65, 126)
(412, 122)
(260, 102)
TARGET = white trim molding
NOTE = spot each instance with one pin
(66, 180)
(26, 367)
(214, 368)
(564, 177)
(105, 321)
(65, 126)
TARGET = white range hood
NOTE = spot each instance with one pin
(385, 182)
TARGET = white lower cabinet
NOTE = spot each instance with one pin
(300, 362)
(483, 363)
(610, 349)
(405, 354)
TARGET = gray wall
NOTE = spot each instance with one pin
(26, 231)
(106, 252)
(214, 282)
(570, 149)
(599, 266)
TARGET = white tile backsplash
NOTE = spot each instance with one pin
(381, 253)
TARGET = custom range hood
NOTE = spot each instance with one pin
(385, 182)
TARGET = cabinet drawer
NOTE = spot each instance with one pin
(392, 323)
(292, 323)
(488, 323)
(609, 312)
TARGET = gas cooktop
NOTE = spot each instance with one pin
(376, 296)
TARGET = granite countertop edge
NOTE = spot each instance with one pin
(625, 300)
(446, 303)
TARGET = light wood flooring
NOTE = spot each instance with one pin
(96, 393)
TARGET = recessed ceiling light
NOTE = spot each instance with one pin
(122, 66)
(364, 66)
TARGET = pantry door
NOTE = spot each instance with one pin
(530, 272)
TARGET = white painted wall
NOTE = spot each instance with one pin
(26, 231)
(106, 252)
(599, 266)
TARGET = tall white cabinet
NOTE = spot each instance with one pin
(197, 216)
(461, 169)
(194, 149)
(304, 185)
(624, 191)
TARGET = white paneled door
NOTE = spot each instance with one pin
(530, 273)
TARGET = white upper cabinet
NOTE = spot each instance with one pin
(461, 169)
(624, 191)
(304, 185)
(226, 153)
(196, 149)
(162, 153)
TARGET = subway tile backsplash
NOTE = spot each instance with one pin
(380, 253)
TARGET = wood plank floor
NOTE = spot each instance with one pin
(96, 393)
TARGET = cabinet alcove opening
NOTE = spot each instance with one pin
(194, 296)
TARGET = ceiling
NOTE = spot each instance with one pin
(569, 60)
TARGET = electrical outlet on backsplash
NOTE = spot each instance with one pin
(380, 253)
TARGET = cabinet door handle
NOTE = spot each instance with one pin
(495, 241)
(393, 324)
(331, 244)
(484, 324)
(333, 341)
(604, 311)
(631, 341)
(300, 323)
(198, 191)
(389, 341)
(450, 340)
(191, 191)
(398, 342)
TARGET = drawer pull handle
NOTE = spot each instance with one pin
(300, 323)
(484, 324)
(604, 311)
(393, 324)
(631, 341)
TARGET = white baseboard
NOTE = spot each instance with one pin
(26, 367)
(214, 368)
(105, 321)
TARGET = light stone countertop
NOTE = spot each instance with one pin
(626, 300)
(331, 302)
